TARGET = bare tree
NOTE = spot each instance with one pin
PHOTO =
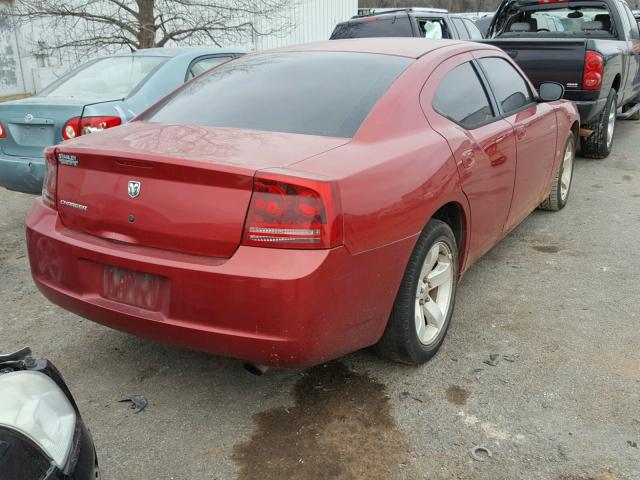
(138, 24)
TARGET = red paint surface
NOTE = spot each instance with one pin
(192, 282)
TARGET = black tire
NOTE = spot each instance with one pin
(400, 341)
(555, 200)
(598, 145)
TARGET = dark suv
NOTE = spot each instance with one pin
(408, 22)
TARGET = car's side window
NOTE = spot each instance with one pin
(434, 28)
(511, 90)
(202, 65)
(474, 32)
(634, 34)
(461, 97)
(462, 31)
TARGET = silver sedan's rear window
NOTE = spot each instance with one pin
(314, 93)
(111, 77)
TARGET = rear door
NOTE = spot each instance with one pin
(535, 127)
(459, 108)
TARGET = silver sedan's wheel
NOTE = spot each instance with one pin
(434, 292)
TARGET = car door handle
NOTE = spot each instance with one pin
(521, 132)
(468, 158)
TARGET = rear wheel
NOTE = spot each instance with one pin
(559, 195)
(599, 144)
(424, 304)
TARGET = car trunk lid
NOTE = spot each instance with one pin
(178, 188)
(35, 123)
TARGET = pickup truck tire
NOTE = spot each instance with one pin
(600, 143)
(424, 304)
(561, 187)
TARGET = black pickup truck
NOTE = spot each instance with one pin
(593, 50)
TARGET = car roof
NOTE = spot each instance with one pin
(175, 51)
(385, 11)
(397, 46)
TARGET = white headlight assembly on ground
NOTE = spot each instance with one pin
(33, 404)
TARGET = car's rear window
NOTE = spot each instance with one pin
(313, 93)
(111, 77)
(380, 26)
(554, 20)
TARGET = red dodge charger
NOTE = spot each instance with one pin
(295, 205)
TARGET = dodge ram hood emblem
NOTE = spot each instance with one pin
(134, 188)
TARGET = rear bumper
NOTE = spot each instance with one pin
(590, 109)
(290, 308)
(22, 174)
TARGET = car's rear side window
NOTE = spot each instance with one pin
(313, 93)
(462, 31)
(461, 97)
(510, 89)
(201, 65)
(474, 32)
(433, 28)
(384, 26)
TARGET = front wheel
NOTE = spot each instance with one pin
(599, 144)
(424, 304)
(559, 194)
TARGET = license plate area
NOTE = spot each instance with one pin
(36, 135)
(138, 289)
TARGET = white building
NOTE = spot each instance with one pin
(12, 80)
(25, 68)
(314, 21)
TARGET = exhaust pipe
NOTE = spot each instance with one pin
(255, 369)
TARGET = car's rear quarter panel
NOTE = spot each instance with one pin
(397, 172)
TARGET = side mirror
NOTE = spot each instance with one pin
(550, 92)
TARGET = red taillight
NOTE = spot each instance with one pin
(50, 178)
(593, 71)
(369, 20)
(71, 129)
(84, 125)
(3, 132)
(293, 213)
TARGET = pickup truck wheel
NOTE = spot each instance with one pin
(424, 304)
(559, 195)
(599, 144)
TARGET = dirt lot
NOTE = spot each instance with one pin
(558, 300)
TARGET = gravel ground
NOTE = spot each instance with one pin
(558, 300)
